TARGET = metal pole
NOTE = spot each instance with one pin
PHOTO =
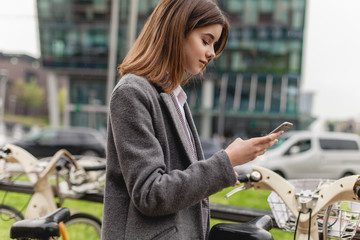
(53, 103)
(222, 105)
(113, 39)
(207, 100)
(3, 81)
(133, 16)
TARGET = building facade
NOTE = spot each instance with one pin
(249, 90)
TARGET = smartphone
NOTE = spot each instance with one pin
(282, 127)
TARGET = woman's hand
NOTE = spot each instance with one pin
(243, 151)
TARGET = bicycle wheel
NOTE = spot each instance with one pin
(83, 226)
(8, 216)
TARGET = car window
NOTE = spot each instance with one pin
(88, 138)
(338, 144)
(44, 136)
(303, 145)
(281, 140)
(48, 136)
(69, 138)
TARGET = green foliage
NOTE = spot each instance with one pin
(34, 95)
(249, 198)
(62, 99)
(27, 121)
(30, 94)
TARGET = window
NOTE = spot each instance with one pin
(235, 6)
(245, 93)
(237, 63)
(69, 138)
(194, 95)
(276, 94)
(297, 19)
(292, 94)
(260, 93)
(45, 137)
(87, 92)
(88, 138)
(302, 146)
(338, 144)
(230, 92)
(234, 38)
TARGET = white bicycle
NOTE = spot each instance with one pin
(77, 180)
(311, 208)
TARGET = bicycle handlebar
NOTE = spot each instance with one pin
(303, 205)
(252, 177)
(62, 162)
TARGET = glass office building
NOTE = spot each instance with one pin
(250, 89)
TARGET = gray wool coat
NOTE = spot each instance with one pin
(154, 186)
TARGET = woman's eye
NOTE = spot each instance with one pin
(205, 42)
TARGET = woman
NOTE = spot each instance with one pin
(157, 182)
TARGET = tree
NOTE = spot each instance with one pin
(62, 99)
(30, 94)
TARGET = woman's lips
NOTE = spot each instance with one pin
(203, 63)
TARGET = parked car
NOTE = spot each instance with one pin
(304, 154)
(2, 139)
(210, 146)
(78, 141)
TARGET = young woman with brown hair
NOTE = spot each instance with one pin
(158, 182)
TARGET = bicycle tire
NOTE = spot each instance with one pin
(8, 216)
(83, 226)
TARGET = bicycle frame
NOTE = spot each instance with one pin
(82, 176)
(344, 189)
(42, 201)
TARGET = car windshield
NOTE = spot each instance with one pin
(48, 135)
(281, 140)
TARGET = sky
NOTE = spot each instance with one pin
(331, 57)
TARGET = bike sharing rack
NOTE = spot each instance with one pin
(217, 211)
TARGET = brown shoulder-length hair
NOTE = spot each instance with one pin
(158, 50)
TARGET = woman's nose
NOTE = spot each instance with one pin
(210, 54)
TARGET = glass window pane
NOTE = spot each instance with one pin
(230, 94)
(260, 93)
(276, 94)
(337, 144)
(87, 92)
(235, 6)
(292, 94)
(245, 93)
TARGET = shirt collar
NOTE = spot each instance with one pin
(180, 95)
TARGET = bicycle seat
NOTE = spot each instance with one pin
(94, 168)
(257, 229)
(42, 227)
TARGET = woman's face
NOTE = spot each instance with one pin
(199, 47)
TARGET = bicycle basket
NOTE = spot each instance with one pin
(343, 218)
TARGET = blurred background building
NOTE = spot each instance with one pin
(250, 89)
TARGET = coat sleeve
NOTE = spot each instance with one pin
(153, 189)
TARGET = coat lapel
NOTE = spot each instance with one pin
(179, 127)
(199, 151)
